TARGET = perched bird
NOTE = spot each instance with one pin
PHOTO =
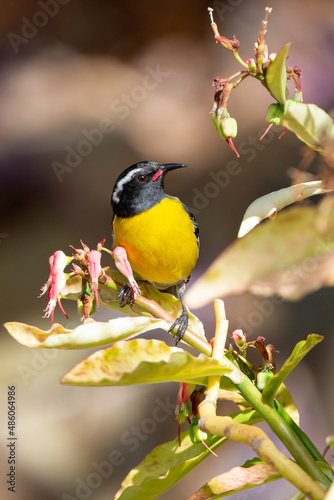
(154, 234)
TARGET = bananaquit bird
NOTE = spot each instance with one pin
(153, 232)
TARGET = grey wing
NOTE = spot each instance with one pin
(112, 232)
(195, 223)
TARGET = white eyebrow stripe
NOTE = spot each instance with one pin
(120, 184)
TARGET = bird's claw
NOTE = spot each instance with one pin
(128, 294)
(182, 321)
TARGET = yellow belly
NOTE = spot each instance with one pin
(160, 243)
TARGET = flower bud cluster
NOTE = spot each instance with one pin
(260, 375)
(260, 66)
(90, 272)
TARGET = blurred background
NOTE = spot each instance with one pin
(87, 89)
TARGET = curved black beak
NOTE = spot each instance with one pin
(166, 167)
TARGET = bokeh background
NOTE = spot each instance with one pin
(134, 80)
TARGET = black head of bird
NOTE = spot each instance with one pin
(140, 187)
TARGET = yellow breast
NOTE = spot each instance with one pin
(160, 242)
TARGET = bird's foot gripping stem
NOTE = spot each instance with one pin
(126, 296)
(182, 321)
(131, 290)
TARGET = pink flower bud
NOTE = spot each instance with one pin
(239, 337)
(101, 243)
(55, 283)
(95, 270)
(77, 269)
(251, 65)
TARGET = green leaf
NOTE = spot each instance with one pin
(143, 361)
(326, 469)
(299, 351)
(310, 123)
(169, 463)
(287, 402)
(87, 335)
(269, 204)
(285, 399)
(252, 473)
(276, 77)
(297, 257)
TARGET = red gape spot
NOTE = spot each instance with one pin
(157, 175)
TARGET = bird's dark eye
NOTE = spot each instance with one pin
(142, 178)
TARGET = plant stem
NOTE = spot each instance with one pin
(282, 429)
(189, 337)
(241, 79)
(305, 472)
(277, 423)
(238, 73)
(154, 308)
(261, 444)
(315, 453)
(241, 61)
